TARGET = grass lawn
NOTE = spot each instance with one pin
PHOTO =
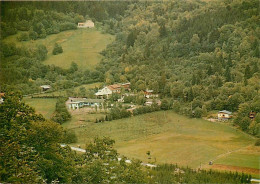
(169, 137)
(42, 106)
(63, 92)
(81, 46)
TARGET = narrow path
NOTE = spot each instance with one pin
(223, 155)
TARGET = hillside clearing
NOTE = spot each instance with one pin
(81, 46)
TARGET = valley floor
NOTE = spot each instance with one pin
(171, 138)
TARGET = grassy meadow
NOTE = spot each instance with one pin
(42, 106)
(81, 46)
(169, 137)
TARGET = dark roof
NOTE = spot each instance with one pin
(86, 100)
(226, 112)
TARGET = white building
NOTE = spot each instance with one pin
(149, 102)
(87, 24)
(45, 87)
(104, 92)
(224, 115)
(1, 98)
(76, 103)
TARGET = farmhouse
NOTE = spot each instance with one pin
(149, 94)
(104, 92)
(126, 86)
(1, 98)
(252, 115)
(45, 87)
(76, 103)
(87, 24)
(224, 115)
(115, 88)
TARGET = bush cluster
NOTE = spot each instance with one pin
(61, 113)
(57, 49)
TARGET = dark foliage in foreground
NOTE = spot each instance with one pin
(31, 153)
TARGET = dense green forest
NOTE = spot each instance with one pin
(205, 56)
(202, 56)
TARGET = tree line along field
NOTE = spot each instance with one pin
(81, 46)
(74, 89)
(171, 138)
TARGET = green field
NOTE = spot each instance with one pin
(42, 106)
(169, 137)
(81, 46)
(249, 159)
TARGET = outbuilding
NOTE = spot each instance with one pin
(87, 24)
(45, 87)
(224, 115)
(2, 98)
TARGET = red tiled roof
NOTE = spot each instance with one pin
(114, 87)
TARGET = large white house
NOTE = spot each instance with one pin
(104, 92)
(115, 88)
(87, 24)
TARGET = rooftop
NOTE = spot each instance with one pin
(86, 100)
(224, 111)
(45, 86)
(114, 87)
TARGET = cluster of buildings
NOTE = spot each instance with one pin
(226, 115)
(106, 92)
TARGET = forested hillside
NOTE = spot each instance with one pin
(203, 55)
(22, 68)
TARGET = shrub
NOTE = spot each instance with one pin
(61, 113)
(257, 142)
(57, 49)
(23, 37)
(70, 137)
(67, 26)
(197, 112)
